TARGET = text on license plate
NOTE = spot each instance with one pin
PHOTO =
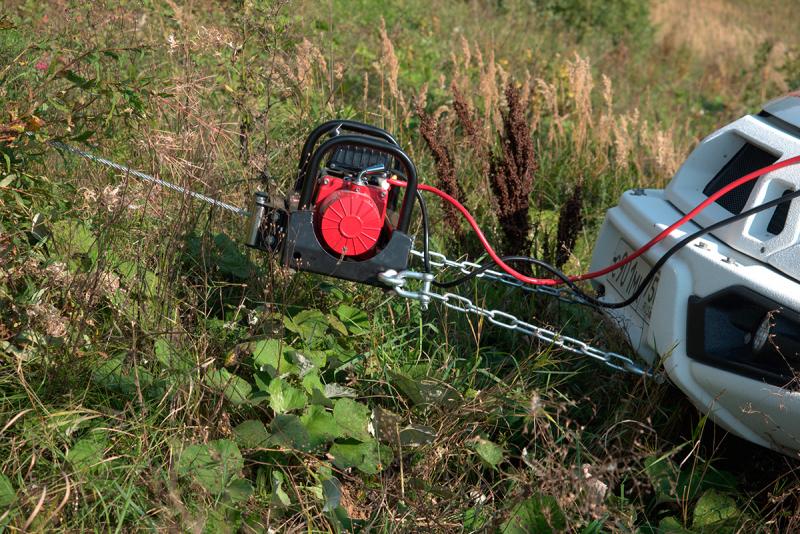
(629, 277)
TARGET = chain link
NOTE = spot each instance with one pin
(441, 262)
(462, 304)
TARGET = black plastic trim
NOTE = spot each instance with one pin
(737, 310)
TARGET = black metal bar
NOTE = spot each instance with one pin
(343, 124)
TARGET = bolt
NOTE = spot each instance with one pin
(383, 194)
(325, 181)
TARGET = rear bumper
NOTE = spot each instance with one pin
(757, 411)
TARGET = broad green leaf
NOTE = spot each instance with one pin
(72, 237)
(272, 357)
(169, 356)
(474, 519)
(7, 493)
(278, 495)
(337, 325)
(356, 321)
(370, 457)
(251, 434)
(416, 435)
(713, 508)
(663, 475)
(284, 397)
(386, 425)
(671, 525)
(87, 453)
(320, 425)
(109, 374)
(308, 361)
(230, 259)
(288, 431)
(311, 383)
(389, 428)
(239, 490)
(352, 418)
(425, 391)
(308, 324)
(137, 277)
(672, 484)
(539, 513)
(490, 452)
(331, 493)
(212, 466)
(236, 389)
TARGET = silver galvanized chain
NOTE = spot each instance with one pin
(424, 294)
(440, 261)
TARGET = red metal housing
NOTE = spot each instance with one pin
(349, 217)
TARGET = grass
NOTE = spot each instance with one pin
(156, 375)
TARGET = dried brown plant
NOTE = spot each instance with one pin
(512, 174)
(469, 120)
(570, 223)
(432, 129)
(581, 85)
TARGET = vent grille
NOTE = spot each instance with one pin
(749, 158)
(778, 219)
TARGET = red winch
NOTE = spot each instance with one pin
(350, 214)
(345, 216)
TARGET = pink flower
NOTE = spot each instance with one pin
(41, 65)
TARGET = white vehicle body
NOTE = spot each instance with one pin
(722, 311)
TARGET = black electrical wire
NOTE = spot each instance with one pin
(647, 279)
(426, 246)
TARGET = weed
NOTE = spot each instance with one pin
(512, 173)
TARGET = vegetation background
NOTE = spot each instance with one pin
(155, 374)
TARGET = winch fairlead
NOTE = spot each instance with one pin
(702, 277)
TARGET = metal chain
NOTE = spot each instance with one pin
(462, 304)
(440, 261)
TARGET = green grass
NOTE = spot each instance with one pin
(155, 374)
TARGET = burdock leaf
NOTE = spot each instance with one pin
(272, 357)
(356, 321)
(284, 397)
(236, 389)
(7, 493)
(213, 465)
(251, 434)
(352, 418)
(539, 513)
(288, 431)
(320, 425)
(489, 451)
(369, 458)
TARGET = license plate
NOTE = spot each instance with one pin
(629, 277)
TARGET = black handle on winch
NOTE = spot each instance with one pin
(404, 217)
(340, 124)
